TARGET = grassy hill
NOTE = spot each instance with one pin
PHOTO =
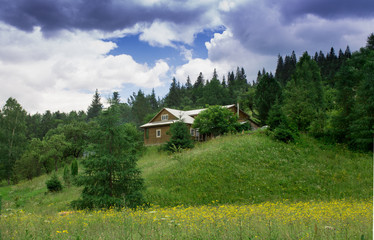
(254, 168)
(239, 169)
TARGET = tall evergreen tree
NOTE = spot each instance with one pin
(267, 91)
(140, 107)
(370, 42)
(173, 98)
(115, 99)
(111, 177)
(303, 97)
(95, 108)
(153, 101)
(12, 137)
(197, 91)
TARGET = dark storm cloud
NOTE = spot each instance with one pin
(104, 15)
(329, 9)
(274, 27)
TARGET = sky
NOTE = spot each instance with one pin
(55, 54)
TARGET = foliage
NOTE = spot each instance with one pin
(96, 106)
(216, 120)
(53, 151)
(12, 137)
(303, 96)
(74, 167)
(67, 175)
(267, 91)
(111, 177)
(284, 133)
(180, 137)
(140, 107)
(54, 184)
(76, 137)
(29, 165)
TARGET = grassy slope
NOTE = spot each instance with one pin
(233, 169)
(254, 168)
(32, 196)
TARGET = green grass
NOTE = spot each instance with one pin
(233, 187)
(33, 196)
(245, 169)
(238, 169)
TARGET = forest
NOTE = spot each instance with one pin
(327, 95)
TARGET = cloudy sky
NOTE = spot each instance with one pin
(54, 54)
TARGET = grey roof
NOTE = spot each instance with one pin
(185, 116)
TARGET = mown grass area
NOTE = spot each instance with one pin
(246, 169)
(269, 220)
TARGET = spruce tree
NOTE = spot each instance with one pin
(95, 108)
(267, 91)
(303, 96)
(111, 177)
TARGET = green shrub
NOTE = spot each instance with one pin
(67, 175)
(53, 184)
(74, 167)
(180, 137)
(284, 133)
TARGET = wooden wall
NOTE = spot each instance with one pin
(158, 117)
(152, 139)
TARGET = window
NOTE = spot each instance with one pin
(158, 133)
(164, 117)
(192, 131)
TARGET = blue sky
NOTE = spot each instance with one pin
(54, 54)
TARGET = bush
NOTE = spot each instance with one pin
(53, 184)
(74, 167)
(284, 134)
(180, 137)
(67, 176)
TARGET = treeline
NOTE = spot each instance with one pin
(330, 96)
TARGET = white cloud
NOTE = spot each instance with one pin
(62, 72)
(225, 54)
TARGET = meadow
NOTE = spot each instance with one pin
(268, 220)
(233, 187)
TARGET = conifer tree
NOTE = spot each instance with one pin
(111, 177)
(267, 91)
(95, 108)
(303, 96)
(12, 137)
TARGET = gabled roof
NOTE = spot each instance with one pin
(185, 116)
(179, 114)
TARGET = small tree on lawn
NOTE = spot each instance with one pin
(110, 176)
(180, 137)
(216, 120)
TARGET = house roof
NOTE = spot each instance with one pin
(185, 116)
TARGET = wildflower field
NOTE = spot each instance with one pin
(344, 219)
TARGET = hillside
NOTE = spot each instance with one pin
(254, 168)
(239, 169)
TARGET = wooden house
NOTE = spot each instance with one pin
(155, 131)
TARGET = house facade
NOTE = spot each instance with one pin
(155, 131)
